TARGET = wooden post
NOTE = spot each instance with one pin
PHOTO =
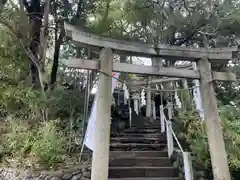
(169, 139)
(214, 129)
(103, 111)
(169, 107)
(154, 110)
(162, 120)
(186, 95)
(187, 166)
(149, 99)
(169, 131)
(130, 117)
(136, 98)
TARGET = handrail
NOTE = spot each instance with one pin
(130, 117)
(174, 135)
(170, 135)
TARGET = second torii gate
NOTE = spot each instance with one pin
(203, 56)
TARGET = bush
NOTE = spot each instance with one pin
(43, 144)
(190, 129)
(29, 103)
(32, 139)
(50, 144)
(19, 139)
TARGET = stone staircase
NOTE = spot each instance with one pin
(141, 154)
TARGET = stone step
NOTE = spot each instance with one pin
(132, 154)
(152, 126)
(170, 178)
(146, 140)
(147, 171)
(140, 161)
(144, 135)
(138, 130)
(136, 146)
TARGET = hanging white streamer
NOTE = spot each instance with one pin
(126, 93)
(197, 95)
(177, 100)
(143, 100)
(89, 139)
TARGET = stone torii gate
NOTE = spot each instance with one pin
(203, 57)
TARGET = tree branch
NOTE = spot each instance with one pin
(29, 53)
(26, 5)
(2, 3)
(186, 7)
(22, 43)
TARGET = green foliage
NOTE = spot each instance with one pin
(25, 101)
(31, 144)
(64, 102)
(50, 145)
(28, 136)
(230, 120)
(19, 140)
(191, 130)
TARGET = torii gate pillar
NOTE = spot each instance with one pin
(213, 124)
(103, 111)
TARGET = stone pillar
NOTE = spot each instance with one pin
(103, 111)
(136, 99)
(212, 120)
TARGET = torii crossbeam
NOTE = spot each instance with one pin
(215, 55)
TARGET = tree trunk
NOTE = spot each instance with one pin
(35, 11)
(2, 3)
(55, 63)
(44, 33)
(58, 42)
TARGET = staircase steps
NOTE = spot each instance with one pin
(136, 146)
(132, 139)
(140, 154)
(147, 130)
(143, 135)
(137, 171)
(140, 161)
(151, 126)
(133, 154)
(138, 178)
